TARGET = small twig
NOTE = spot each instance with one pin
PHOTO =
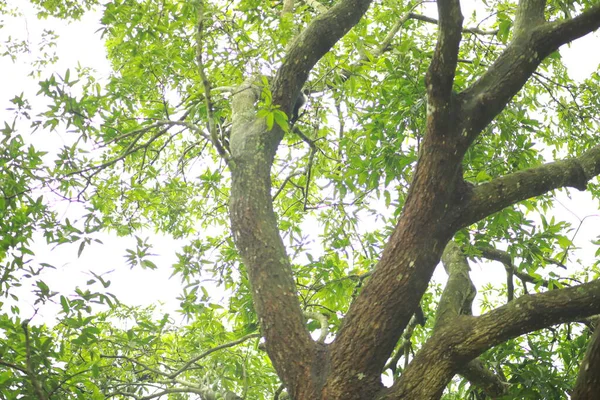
(311, 157)
(406, 343)
(504, 258)
(285, 182)
(131, 148)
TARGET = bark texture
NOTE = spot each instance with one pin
(439, 203)
(587, 386)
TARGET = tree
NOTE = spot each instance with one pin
(441, 137)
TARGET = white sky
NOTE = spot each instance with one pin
(79, 43)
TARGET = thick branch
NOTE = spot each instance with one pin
(255, 231)
(454, 344)
(253, 221)
(457, 299)
(587, 386)
(563, 32)
(493, 196)
(458, 295)
(532, 42)
(530, 13)
(312, 44)
(440, 76)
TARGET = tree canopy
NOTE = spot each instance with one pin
(431, 136)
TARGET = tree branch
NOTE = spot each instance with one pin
(288, 7)
(533, 40)
(323, 321)
(478, 374)
(254, 224)
(209, 351)
(504, 258)
(457, 299)
(318, 7)
(502, 192)
(440, 76)
(587, 385)
(310, 46)
(530, 13)
(14, 366)
(257, 237)
(473, 30)
(456, 343)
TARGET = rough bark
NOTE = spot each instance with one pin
(502, 192)
(457, 299)
(587, 386)
(456, 343)
(439, 203)
(378, 316)
(254, 224)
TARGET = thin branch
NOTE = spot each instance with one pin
(406, 343)
(137, 362)
(210, 351)
(131, 148)
(503, 257)
(14, 366)
(285, 182)
(473, 30)
(311, 157)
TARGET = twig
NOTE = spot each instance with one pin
(285, 182)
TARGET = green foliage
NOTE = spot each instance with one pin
(340, 189)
